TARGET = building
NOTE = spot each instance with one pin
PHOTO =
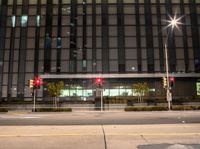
(76, 41)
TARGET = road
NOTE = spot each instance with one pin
(99, 118)
(100, 130)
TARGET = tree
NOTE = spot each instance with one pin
(141, 89)
(55, 90)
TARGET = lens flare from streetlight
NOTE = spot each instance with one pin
(173, 22)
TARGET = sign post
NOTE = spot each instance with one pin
(169, 98)
(34, 95)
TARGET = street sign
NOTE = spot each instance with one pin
(169, 95)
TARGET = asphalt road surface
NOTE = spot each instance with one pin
(99, 118)
(100, 130)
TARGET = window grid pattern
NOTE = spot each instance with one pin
(137, 56)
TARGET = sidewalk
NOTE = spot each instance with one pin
(101, 137)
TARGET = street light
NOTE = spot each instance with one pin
(172, 23)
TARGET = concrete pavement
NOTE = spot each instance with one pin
(166, 136)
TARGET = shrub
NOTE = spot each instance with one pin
(149, 108)
(53, 110)
(161, 108)
(176, 108)
(3, 110)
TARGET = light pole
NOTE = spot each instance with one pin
(172, 23)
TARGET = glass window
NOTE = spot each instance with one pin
(65, 93)
(59, 42)
(112, 19)
(130, 30)
(113, 54)
(79, 92)
(157, 65)
(64, 66)
(113, 42)
(32, 10)
(13, 21)
(130, 92)
(73, 93)
(180, 66)
(129, 20)
(30, 54)
(38, 20)
(10, 2)
(130, 42)
(106, 92)
(24, 20)
(123, 92)
(131, 53)
(5, 67)
(114, 92)
(29, 66)
(128, 9)
(31, 32)
(112, 9)
(131, 65)
(87, 93)
(113, 66)
(43, 1)
(19, 2)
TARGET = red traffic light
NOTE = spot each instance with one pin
(99, 81)
(171, 79)
(37, 82)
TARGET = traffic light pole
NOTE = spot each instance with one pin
(168, 93)
(101, 100)
(34, 97)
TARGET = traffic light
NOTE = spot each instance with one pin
(31, 83)
(164, 82)
(37, 82)
(99, 81)
(171, 81)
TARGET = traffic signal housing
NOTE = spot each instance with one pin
(164, 79)
(99, 81)
(37, 82)
(171, 81)
(30, 83)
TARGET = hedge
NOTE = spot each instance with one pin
(53, 110)
(176, 108)
(147, 108)
(3, 110)
(161, 108)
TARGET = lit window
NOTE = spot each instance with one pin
(87, 93)
(114, 92)
(24, 20)
(48, 42)
(59, 44)
(38, 20)
(13, 21)
(79, 93)
(65, 93)
(106, 92)
(84, 63)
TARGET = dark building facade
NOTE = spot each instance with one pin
(76, 41)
